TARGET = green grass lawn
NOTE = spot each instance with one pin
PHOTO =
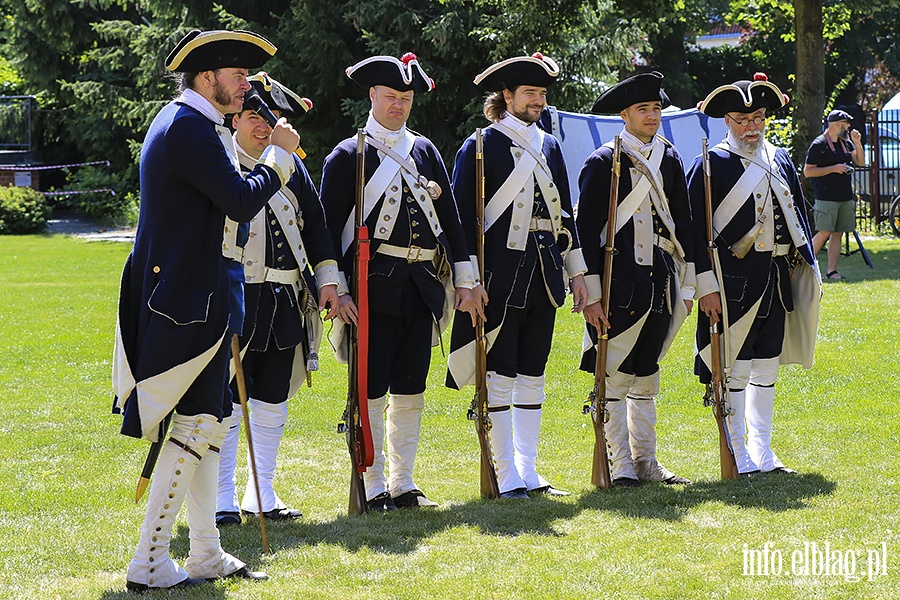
(68, 522)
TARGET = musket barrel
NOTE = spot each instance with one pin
(600, 475)
(488, 475)
(717, 391)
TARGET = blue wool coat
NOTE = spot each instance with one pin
(503, 266)
(174, 299)
(635, 287)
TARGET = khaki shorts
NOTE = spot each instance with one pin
(833, 215)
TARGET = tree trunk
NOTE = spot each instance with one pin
(809, 94)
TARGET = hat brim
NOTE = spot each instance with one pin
(208, 50)
(516, 71)
(644, 87)
(277, 96)
(391, 72)
(743, 97)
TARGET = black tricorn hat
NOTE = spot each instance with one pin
(744, 97)
(277, 96)
(402, 74)
(207, 50)
(537, 70)
(643, 87)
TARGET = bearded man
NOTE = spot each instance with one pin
(767, 288)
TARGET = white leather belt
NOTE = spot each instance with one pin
(781, 249)
(664, 243)
(540, 224)
(411, 254)
(282, 276)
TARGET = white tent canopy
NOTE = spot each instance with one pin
(892, 104)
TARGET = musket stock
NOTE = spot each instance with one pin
(716, 392)
(479, 410)
(356, 415)
(596, 406)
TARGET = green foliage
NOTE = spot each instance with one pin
(10, 82)
(111, 202)
(22, 210)
(96, 65)
(781, 132)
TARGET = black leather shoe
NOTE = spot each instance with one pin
(277, 514)
(227, 518)
(412, 499)
(140, 588)
(381, 503)
(549, 490)
(516, 494)
(626, 482)
(244, 573)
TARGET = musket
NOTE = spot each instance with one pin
(716, 391)
(478, 412)
(596, 405)
(152, 457)
(242, 395)
(355, 421)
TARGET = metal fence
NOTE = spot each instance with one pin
(15, 123)
(877, 185)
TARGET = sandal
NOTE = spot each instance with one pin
(834, 276)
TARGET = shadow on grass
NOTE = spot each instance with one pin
(774, 491)
(403, 531)
(886, 263)
(207, 591)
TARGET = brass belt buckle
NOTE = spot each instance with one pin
(411, 256)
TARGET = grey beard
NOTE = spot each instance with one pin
(745, 146)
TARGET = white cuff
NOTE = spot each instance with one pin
(279, 159)
(575, 264)
(476, 270)
(343, 287)
(463, 277)
(706, 284)
(594, 288)
(690, 275)
(327, 273)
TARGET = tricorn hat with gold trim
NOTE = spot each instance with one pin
(537, 70)
(402, 74)
(207, 50)
(643, 87)
(277, 96)
(744, 97)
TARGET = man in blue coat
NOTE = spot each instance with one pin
(172, 347)
(531, 253)
(415, 229)
(765, 283)
(282, 328)
(652, 270)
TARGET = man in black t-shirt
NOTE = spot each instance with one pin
(829, 165)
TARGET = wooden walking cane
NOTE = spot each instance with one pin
(242, 394)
